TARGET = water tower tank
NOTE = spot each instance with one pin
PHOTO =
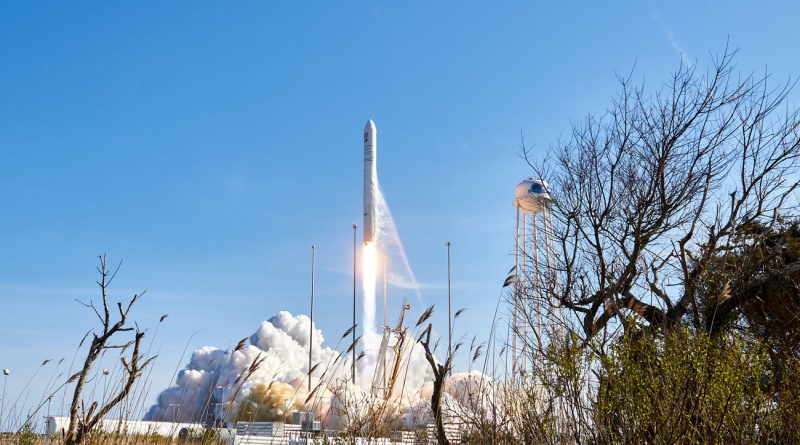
(532, 196)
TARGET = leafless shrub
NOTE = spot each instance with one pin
(83, 420)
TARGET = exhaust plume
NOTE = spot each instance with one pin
(220, 386)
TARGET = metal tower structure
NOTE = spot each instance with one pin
(534, 257)
(387, 369)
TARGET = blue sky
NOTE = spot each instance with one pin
(210, 144)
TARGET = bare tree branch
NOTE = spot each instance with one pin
(82, 421)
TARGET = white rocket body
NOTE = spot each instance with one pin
(370, 183)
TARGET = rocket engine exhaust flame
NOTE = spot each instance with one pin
(369, 261)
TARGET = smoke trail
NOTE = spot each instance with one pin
(388, 240)
(387, 227)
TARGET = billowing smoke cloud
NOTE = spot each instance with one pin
(216, 382)
(267, 380)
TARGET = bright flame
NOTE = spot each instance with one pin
(370, 274)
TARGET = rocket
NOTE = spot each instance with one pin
(370, 183)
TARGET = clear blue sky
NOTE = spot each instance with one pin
(210, 144)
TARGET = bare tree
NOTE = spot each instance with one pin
(440, 372)
(82, 421)
(648, 197)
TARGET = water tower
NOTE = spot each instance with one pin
(534, 260)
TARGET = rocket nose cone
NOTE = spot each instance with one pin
(370, 125)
